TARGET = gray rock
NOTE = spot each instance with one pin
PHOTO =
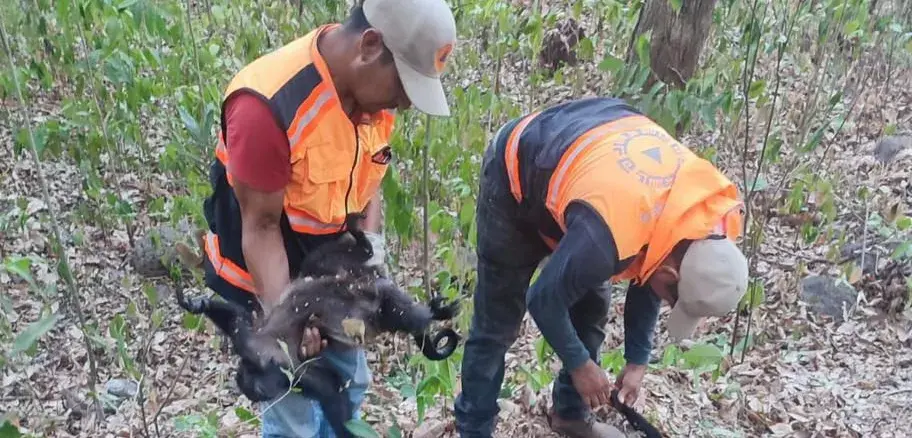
(155, 250)
(122, 388)
(890, 146)
(826, 295)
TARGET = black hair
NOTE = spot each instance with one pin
(357, 23)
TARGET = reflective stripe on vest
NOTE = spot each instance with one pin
(225, 268)
(302, 222)
(511, 156)
(568, 159)
(305, 120)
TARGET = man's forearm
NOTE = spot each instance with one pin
(641, 311)
(552, 317)
(267, 262)
(373, 215)
(583, 260)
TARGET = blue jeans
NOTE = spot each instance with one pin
(509, 251)
(296, 416)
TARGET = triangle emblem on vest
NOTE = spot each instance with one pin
(654, 153)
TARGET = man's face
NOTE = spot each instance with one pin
(377, 85)
(664, 282)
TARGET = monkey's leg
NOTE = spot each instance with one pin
(320, 382)
(260, 384)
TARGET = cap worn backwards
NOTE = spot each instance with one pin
(421, 35)
(714, 276)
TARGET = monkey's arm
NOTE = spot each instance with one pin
(230, 318)
(399, 312)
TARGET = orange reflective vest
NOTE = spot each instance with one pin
(336, 165)
(651, 191)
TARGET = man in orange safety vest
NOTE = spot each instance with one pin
(610, 196)
(303, 143)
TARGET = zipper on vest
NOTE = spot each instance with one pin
(351, 174)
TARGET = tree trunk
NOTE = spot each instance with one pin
(677, 38)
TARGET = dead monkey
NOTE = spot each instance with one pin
(348, 301)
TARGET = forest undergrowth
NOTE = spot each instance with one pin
(107, 131)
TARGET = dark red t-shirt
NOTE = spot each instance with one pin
(256, 144)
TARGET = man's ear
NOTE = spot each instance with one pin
(666, 275)
(370, 45)
(662, 280)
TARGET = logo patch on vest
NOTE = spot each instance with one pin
(383, 156)
(651, 155)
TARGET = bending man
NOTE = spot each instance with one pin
(610, 196)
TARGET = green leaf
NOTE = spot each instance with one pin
(9, 430)
(759, 184)
(611, 64)
(642, 49)
(361, 428)
(903, 223)
(33, 332)
(246, 416)
(430, 385)
(20, 266)
(393, 432)
(903, 251)
(675, 5)
(756, 88)
(702, 354)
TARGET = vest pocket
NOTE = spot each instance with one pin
(371, 176)
(326, 163)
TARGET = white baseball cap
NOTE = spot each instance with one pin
(713, 279)
(420, 34)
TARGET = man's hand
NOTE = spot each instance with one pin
(311, 344)
(630, 380)
(592, 384)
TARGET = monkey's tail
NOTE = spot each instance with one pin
(637, 420)
(429, 344)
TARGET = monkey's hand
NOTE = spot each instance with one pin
(195, 305)
(441, 311)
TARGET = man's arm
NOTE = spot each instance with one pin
(641, 311)
(584, 259)
(373, 215)
(259, 163)
(261, 241)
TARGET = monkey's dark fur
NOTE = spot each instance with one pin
(335, 289)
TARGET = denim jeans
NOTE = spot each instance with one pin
(296, 416)
(509, 251)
